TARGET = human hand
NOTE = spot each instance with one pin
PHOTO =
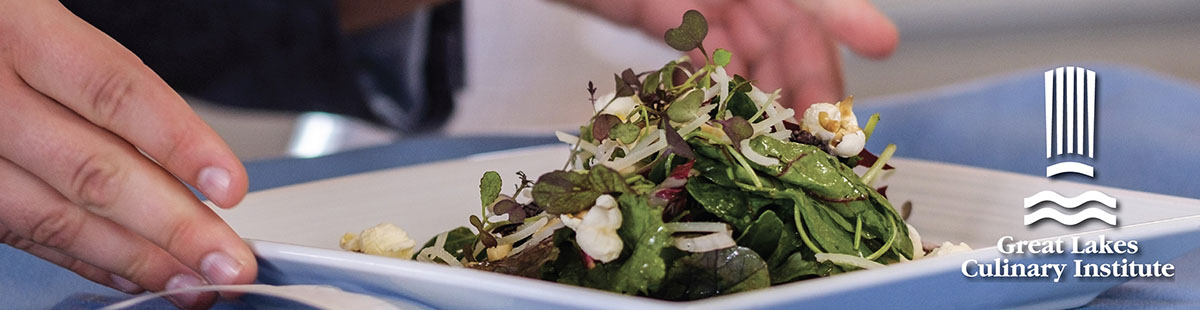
(75, 108)
(778, 43)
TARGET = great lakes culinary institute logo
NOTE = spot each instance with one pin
(1070, 105)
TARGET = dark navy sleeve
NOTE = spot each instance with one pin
(270, 54)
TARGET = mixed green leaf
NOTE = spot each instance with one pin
(703, 184)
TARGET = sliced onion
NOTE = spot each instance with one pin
(714, 227)
(850, 260)
(755, 157)
(705, 243)
(523, 231)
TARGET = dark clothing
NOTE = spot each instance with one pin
(288, 55)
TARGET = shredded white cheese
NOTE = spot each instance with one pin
(705, 243)
(572, 140)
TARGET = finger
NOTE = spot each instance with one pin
(47, 225)
(747, 35)
(768, 76)
(856, 23)
(811, 67)
(773, 16)
(83, 269)
(96, 169)
(102, 81)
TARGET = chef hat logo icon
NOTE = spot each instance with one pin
(1070, 136)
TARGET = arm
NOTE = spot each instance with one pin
(78, 110)
(781, 43)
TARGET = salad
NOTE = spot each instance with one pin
(686, 183)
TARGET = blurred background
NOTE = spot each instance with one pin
(528, 62)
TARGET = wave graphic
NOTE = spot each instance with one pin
(1048, 213)
(1070, 166)
(1071, 202)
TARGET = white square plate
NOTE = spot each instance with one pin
(295, 232)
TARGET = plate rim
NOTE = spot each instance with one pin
(807, 289)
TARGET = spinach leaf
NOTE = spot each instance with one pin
(797, 267)
(789, 241)
(741, 105)
(820, 225)
(568, 268)
(874, 222)
(810, 168)
(764, 235)
(641, 229)
(902, 244)
(732, 205)
(831, 197)
(789, 244)
(639, 270)
(721, 168)
(718, 272)
(457, 241)
(714, 171)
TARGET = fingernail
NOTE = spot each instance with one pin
(219, 268)
(182, 281)
(214, 182)
(124, 285)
